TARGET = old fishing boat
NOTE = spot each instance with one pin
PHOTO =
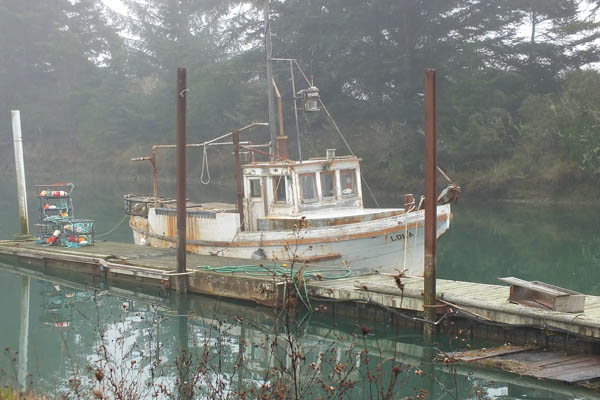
(295, 212)
(305, 211)
(308, 212)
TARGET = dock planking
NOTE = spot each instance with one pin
(152, 266)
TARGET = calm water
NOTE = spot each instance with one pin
(137, 340)
(74, 329)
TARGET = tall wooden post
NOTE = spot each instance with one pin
(238, 176)
(181, 278)
(20, 168)
(430, 203)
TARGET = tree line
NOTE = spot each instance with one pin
(518, 85)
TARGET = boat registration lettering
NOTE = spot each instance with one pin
(401, 236)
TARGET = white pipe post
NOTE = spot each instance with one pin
(20, 168)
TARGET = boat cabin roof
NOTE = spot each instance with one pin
(310, 163)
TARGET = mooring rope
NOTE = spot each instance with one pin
(114, 228)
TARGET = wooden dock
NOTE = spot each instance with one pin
(487, 304)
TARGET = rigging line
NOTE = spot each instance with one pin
(405, 238)
(349, 149)
(238, 231)
(416, 236)
(407, 210)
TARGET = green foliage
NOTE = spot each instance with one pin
(567, 123)
(99, 86)
(7, 393)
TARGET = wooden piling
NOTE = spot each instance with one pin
(20, 169)
(181, 285)
(430, 204)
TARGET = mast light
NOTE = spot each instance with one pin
(310, 97)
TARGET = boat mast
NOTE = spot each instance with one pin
(270, 99)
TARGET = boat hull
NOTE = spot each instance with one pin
(390, 244)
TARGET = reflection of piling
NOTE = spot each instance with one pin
(24, 333)
(429, 370)
(183, 348)
(181, 279)
(20, 169)
(430, 203)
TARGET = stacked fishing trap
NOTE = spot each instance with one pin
(57, 224)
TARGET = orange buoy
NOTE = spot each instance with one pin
(52, 239)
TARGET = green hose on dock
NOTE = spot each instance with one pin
(280, 271)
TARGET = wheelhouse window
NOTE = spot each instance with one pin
(280, 189)
(328, 185)
(348, 182)
(307, 184)
(255, 188)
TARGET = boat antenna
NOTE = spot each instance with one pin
(270, 97)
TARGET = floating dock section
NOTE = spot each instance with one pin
(484, 309)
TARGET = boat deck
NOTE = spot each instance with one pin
(152, 266)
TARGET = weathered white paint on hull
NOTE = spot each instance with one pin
(371, 245)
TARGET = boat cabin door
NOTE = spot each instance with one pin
(255, 201)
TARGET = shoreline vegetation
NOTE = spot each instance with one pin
(518, 87)
(544, 193)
